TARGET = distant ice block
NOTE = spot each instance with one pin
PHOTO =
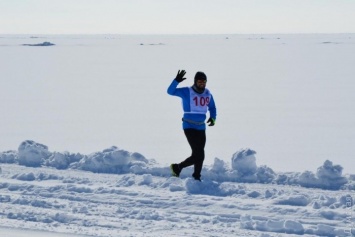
(40, 44)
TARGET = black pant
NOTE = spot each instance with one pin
(197, 141)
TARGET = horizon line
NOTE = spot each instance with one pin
(297, 33)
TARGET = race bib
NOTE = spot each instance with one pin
(199, 102)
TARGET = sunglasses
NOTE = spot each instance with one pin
(201, 81)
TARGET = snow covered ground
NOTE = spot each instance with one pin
(290, 98)
(118, 193)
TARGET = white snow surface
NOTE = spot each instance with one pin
(290, 98)
(115, 192)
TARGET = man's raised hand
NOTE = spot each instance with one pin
(180, 76)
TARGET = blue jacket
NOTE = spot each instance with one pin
(195, 105)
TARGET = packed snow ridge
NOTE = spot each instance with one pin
(113, 160)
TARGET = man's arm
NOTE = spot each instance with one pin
(213, 112)
(172, 90)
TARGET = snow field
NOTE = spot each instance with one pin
(297, 88)
(81, 202)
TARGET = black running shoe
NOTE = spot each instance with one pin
(197, 177)
(175, 170)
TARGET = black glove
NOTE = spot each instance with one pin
(180, 76)
(211, 121)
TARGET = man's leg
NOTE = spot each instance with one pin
(197, 141)
(176, 168)
(200, 156)
(191, 138)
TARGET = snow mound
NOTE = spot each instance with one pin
(206, 187)
(293, 200)
(327, 230)
(328, 176)
(8, 157)
(244, 162)
(174, 184)
(62, 160)
(32, 154)
(243, 168)
(111, 160)
(270, 225)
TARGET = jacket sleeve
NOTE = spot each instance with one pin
(212, 108)
(173, 90)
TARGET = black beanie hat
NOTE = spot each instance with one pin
(200, 76)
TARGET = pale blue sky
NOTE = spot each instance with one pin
(176, 16)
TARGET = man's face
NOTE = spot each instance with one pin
(201, 84)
